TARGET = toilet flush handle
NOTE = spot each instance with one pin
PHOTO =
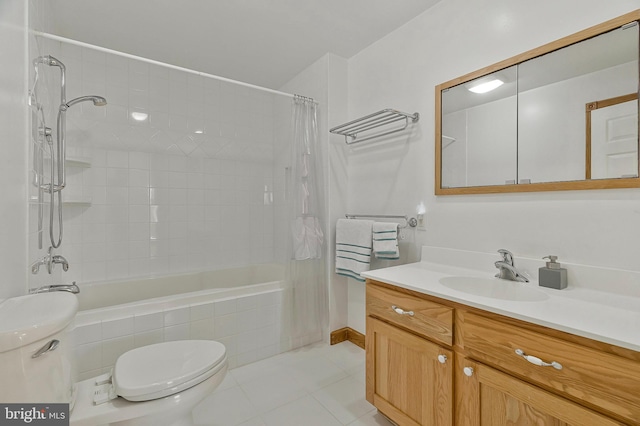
(48, 347)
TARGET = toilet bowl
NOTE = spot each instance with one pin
(158, 384)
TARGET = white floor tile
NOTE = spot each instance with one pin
(345, 399)
(346, 355)
(253, 422)
(273, 390)
(258, 369)
(372, 418)
(229, 407)
(315, 372)
(278, 391)
(305, 411)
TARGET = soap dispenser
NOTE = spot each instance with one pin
(552, 275)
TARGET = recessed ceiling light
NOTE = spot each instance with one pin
(199, 132)
(485, 86)
(139, 116)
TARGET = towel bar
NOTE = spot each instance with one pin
(412, 222)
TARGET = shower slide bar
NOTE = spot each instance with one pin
(412, 222)
(369, 122)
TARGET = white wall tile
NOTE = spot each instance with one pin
(226, 326)
(89, 333)
(225, 307)
(201, 311)
(147, 322)
(113, 348)
(148, 338)
(89, 356)
(118, 159)
(176, 316)
(117, 328)
(177, 332)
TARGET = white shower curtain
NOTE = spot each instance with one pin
(306, 269)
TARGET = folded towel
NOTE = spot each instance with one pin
(353, 247)
(307, 238)
(385, 240)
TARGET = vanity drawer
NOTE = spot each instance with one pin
(604, 381)
(423, 317)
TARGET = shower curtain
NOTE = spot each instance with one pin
(306, 268)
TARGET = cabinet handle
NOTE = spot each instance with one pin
(51, 346)
(442, 359)
(468, 371)
(401, 311)
(537, 361)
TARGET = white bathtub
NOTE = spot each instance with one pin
(243, 308)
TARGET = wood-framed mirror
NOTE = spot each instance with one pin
(530, 132)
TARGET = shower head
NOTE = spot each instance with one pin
(97, 101)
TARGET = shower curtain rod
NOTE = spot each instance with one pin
(163, 64)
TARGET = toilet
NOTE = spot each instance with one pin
(150, 385)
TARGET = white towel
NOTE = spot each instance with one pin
(353, 247)
(307, 238)
(385, 240)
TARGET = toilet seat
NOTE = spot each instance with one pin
(162, 369)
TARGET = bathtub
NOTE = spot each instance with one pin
(243, 308)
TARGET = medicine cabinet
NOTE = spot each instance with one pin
(563, 116)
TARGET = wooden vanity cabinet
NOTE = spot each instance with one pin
(485, 379)
(409, 376)
(489, 397)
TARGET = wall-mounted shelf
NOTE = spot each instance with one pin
(364, 125)
(83, 200)
(78, 162)
(81, 162)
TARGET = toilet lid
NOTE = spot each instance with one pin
(163, 369)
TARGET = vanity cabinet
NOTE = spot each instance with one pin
(489, 397)
(409, 363)
(431, 361)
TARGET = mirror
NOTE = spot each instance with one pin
(563, 116)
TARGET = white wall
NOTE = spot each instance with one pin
(13, 161)
(451, 39)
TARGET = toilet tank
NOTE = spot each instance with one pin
(29, 325)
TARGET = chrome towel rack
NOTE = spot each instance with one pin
(412, 222)
(369, 122)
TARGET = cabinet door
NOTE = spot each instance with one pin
(488, 397)
(409, 379)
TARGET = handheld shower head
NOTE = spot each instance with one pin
(97, 101)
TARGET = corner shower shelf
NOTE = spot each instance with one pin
(81, 200)
(369, 122)
(80, 162)
(84, 162)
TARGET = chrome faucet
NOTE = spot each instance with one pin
(71, 288)
(506, 268)
(49, 260)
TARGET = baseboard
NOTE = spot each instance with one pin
(348, 333)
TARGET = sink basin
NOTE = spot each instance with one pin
(494, 288)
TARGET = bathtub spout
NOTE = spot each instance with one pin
(71, 288)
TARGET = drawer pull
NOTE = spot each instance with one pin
(468, 371)
(537, 361)
(401, 311)
(442, 359)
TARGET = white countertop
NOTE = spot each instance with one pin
(598, 315)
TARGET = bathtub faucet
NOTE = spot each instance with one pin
(71, 288)
(49, 260)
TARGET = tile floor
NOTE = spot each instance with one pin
(317, 385)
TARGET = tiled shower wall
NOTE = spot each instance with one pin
(189, 188)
